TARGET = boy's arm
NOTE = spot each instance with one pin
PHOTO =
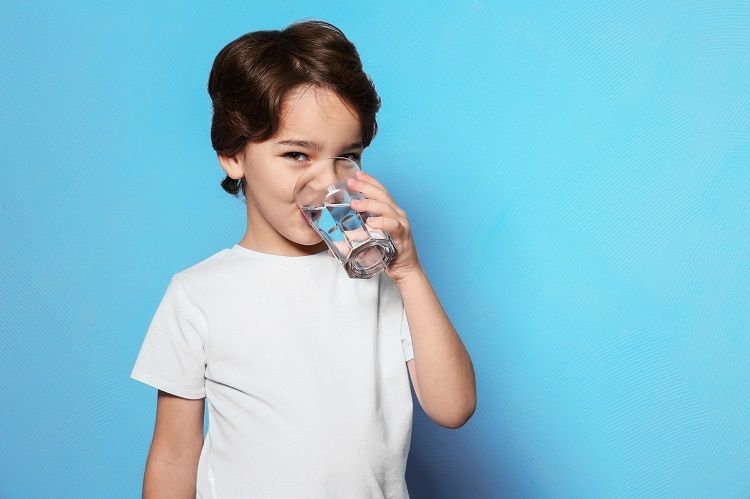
(172, 461)
(441, 370)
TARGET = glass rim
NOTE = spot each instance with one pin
(296, 183)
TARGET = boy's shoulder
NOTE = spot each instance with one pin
(204, 270)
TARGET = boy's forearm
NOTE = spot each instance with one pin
(166, 478)
(443, 367)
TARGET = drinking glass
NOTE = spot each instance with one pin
(324, 197)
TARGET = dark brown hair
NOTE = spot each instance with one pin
(251, 75)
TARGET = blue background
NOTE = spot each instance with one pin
(576, 176)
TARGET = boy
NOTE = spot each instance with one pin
(304, 369)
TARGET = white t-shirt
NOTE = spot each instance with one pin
(303, 370)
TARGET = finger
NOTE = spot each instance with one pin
(366, 176)
(373, 191)
(387, 224)
(375, 206)
(369, 189)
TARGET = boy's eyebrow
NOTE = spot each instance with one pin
(313, 145)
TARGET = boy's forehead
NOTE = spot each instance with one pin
(310, 110)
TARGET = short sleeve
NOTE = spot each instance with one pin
(392, 305)
(406, 335)
(173, 357)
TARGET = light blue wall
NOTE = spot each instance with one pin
(577, 179)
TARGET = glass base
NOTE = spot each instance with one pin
(371, 258)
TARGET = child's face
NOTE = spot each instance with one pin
(310, 114)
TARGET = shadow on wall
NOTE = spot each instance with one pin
(445, 464)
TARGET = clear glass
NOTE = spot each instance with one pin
(323, 195)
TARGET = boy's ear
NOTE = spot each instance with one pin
(231, 165)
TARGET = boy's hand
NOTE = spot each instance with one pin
(391, 219)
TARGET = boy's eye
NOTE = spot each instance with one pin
(294, 155)
(291, 154)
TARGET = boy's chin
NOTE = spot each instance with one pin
(306, 236)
